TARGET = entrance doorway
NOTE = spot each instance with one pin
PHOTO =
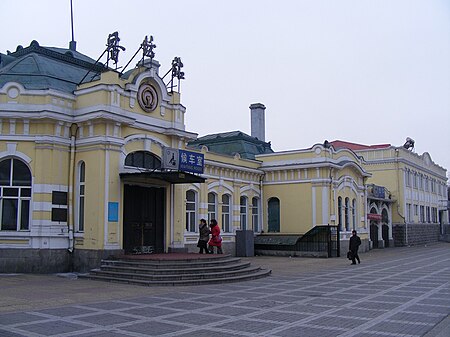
(143, 219)
(374, 234)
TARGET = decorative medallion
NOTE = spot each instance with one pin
(147, 97)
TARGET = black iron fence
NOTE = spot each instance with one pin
(322, 240)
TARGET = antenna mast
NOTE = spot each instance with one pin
(73, 43)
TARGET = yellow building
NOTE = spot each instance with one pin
(96, 162)
(413, 183)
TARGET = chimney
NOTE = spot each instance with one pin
(257, 111)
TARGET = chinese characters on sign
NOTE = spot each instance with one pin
(191, 161)
(183, 160)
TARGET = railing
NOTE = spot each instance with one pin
(322, 240)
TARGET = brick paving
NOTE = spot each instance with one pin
(395, 292)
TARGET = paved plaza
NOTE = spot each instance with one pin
(401, 292)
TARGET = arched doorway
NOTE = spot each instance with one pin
(274, 215)
(374, 227)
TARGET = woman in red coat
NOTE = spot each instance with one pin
(216, 239)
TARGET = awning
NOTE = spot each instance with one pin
(172, 177)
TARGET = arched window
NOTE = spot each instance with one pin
(81, 196)
(255, 214)
(347, 215)
(191, 211)
(384, 216)
(226, 213)
(340, 213)
(212, 206)
(354, 213)
(243, 212)
(143, 159)
(273, 214)
(15, 195)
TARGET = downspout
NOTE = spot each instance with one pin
(261, 179)
(71, 201)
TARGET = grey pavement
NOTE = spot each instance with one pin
(401, 292)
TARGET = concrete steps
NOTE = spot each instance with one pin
(190, 269)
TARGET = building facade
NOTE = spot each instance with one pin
(85, 171)
(410, 187)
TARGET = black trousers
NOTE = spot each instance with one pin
(355, 256)
(203, 245)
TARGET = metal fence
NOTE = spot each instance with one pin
(322, 239)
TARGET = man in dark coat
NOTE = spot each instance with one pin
(353, 246)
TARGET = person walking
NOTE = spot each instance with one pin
(204, 236)
(353, 247)
(216, 239)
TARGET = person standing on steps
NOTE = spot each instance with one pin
(216, 239)
(353, 246)
(204, 236)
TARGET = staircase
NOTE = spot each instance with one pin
(175, 270)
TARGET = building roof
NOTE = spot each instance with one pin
(230, 143)
(341, 144)
(39, 68)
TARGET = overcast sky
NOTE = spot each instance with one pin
(364, 71)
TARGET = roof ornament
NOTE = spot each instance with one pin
(176, 73)
(112, 49)
(147, 47)
(409, 144)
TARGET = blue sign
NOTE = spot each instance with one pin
(191, 161)
(378, 191)
(113, 211)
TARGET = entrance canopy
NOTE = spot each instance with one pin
(172, 177)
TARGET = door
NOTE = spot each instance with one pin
(274, 215)
(385, 235)
(143, 221)
(374, 234)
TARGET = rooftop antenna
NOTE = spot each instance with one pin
(73, 43)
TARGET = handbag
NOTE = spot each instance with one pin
(349, 255)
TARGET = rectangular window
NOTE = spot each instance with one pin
(408, 212)
(211, 206)
(243, 213)
(9, 214)
(25, 215)
(422, 214)
(255, 218)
